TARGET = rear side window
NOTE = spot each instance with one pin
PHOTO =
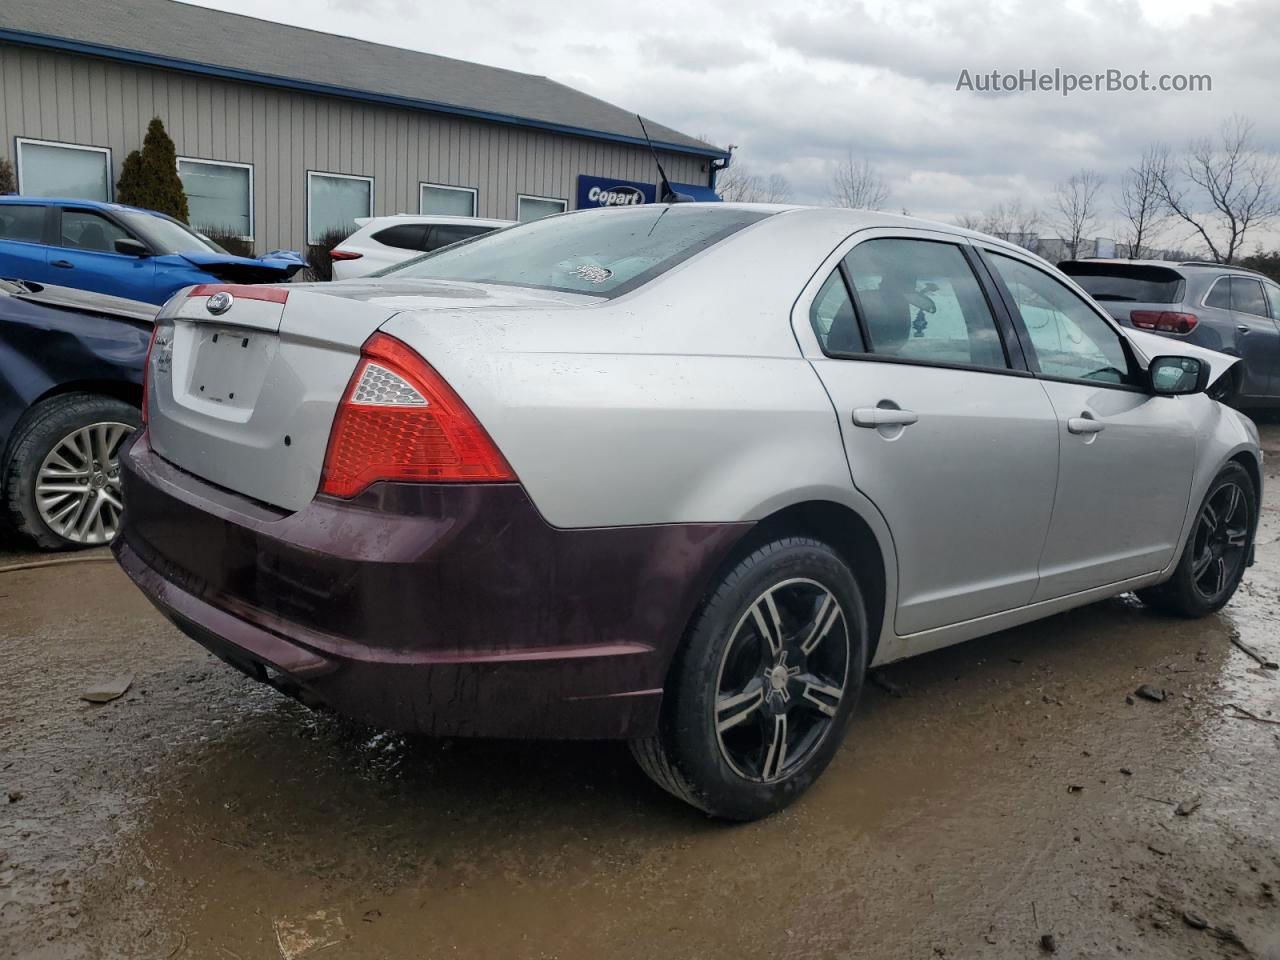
(1220, 295)
(1070, 339)
(86, 230)
(833, 318)
(404, 236)
(921, 301)
(1246, 296)
(443, 234)
(22, 222)
(1126, 283)
(602, 252)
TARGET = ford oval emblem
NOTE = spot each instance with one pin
(220, 303)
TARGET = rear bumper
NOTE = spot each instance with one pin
(441, 609)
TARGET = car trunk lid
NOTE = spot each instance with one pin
(244, 396)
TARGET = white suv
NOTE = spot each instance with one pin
(382, 242)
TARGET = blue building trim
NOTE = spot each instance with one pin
(28, 39)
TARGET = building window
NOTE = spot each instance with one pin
(535, 208)
(335, 201)
(219, 196)
(47, 169)
(446, 201)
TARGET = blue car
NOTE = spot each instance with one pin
(120, 251)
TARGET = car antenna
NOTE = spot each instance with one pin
(668, 194)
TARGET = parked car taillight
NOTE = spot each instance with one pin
(146, 368)
(344, 255)
(400, 421)
(1163, 321)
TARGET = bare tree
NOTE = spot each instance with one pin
(856, 183)
(739, 184)
(1141, 206)
(777, 189)
(1232, 188)
(1076, 201)
(1010, 221)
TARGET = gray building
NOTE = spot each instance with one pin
(283, 133)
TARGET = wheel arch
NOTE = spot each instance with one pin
(846, 531)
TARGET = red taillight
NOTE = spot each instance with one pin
(400, 421)
(146, 368)
(344, 255)
(1164, 321)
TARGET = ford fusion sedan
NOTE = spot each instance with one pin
(674, 474)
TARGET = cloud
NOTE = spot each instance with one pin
(796, 90)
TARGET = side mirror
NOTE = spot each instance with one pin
(132, 248)
(1174, 376)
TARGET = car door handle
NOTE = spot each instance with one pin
(1242, 328)
(883, 417)
(65, 264)
(1085, 425)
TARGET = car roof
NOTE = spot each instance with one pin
(363, 222)
(75, 202)
(1187, 267)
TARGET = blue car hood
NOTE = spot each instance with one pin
(287, 262)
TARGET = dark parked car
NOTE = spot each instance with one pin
(1225, 308)
(70, 393)
(121, 251)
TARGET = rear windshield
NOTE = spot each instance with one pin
(1136, 283)
(601, 252)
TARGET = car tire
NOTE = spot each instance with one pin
(89, 423)
(1217, 549)
(722, 747)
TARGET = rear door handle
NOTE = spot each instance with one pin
(1242, 328)
(1085, 425)
(65, 264)
(883, 417)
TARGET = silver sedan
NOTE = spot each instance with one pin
(675, 474)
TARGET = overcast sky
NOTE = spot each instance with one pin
(797, 87)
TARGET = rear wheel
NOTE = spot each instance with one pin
(761, 693)
(1217, 549)
(63, 480)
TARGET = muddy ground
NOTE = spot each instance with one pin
(1006, 789)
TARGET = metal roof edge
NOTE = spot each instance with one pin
(47, 41)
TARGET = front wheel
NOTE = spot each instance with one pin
(1217, 550)
(761, 693)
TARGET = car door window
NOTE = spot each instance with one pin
(1220, 295)
(22, 222)
(920, 300)
(1273, 296)
(86, 230)
(1247, 296)
(1069, 338)
(833, 318)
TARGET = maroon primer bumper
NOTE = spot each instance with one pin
(447, 609)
